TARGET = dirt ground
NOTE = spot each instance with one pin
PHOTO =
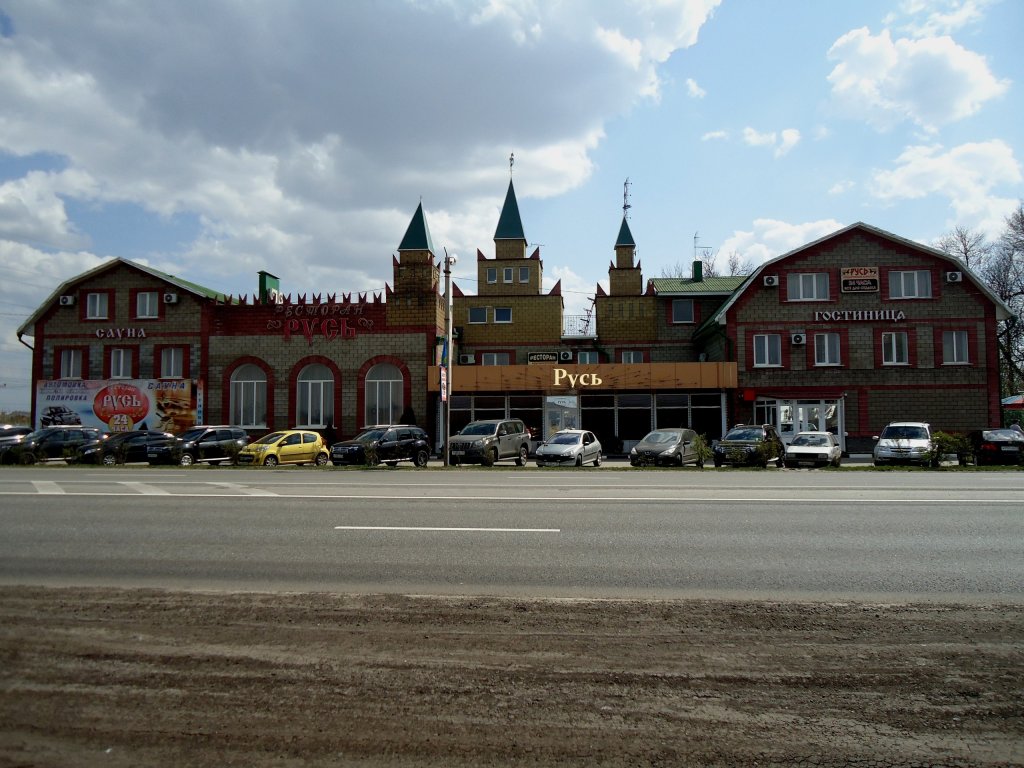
(106, 677)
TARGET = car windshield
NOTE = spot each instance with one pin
(478, 429)
(37, 434)
(369, 435)
(668, 436)
(273, 437)
(904, 432)
(815, 440)
(565, 439)
(745, 433)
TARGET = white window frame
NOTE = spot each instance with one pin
(767, 350)
(807, 286)
(910, 284)
(314, 397)
(632, 356)
(503, 315)
(147, 305)
(891, 349)
(97, 306)
(249, 396)
(492, 275)
(587, 357)
(678, 304)
(955, 348)
(507, 274)
(121, 363)
(494, 358)
(826, 349)
(384, 389)
(172, 362)
(477, 310)
(524, 274)
(71, 364)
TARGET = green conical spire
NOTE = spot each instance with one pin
(417, 236)
(625, 237)
(510, 226)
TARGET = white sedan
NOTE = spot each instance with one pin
(813, 449)
(573, 447)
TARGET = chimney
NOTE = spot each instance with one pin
(698, 271)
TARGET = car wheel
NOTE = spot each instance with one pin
(679, 460)
(579, 460)
(322, 459)
(780, 462)
(28, 458)
(837, 462)
(524, 453)
(109, 460)
(187, 460)
(597, 461)
(490, 457)
(270, 461)
(421, 459)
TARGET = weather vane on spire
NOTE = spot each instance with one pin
(625, 199)
(511, 162)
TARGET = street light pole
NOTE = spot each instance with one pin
(446, 371)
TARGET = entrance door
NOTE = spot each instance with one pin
(560, 412)
(792, 416)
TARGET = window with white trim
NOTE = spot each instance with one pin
(809, 286)
(954, 348)
(172, 362)
(916, 284)
(767, 350)
(895, 348)
(632, 356)
(524, 274)
(477, 315)
(120, 363)
(587, 357)
(503, 314)
(249, 396)
(507, 274)
(494, 358)
(96, 306)
(682, 310)
(826, 349)
(492, 275)
(384, 394)
(71, 363)
(314, 394)
(147, 304)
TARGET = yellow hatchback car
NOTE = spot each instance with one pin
(292, 446)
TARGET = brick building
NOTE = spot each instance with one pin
(846, 333)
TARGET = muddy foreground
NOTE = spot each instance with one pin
(104, 677)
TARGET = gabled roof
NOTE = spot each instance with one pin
(625, 237)
(184, 285)
(1003, 312)
(417, 236)
(687, 286)
(510, 226)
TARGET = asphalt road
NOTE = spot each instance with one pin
(775, 534)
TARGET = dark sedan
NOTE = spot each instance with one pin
(122, 447)
(388, 444)
(997, 446)
(50, 444)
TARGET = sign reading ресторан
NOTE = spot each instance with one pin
(859, 315)
(542, 357)
(859, 279)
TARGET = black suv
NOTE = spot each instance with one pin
(50, 443)
(122, 447)
(750, 444)
(202, 443)
(485, 442)
(388, 444)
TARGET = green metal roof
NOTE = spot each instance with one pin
(625, 237)
(510, 226)
(417, 236)
(667, 286)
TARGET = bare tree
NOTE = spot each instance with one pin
(1004, 273)
(738, 265)
(968, 245)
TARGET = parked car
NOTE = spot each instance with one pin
(997, 446)
(11, 434)
(121, 447)
(210, 444)
(750, 444)
(389, 443)
(671, 447)
(905, 442)
(574, 447)
(485, 442)
(58, 414)
(814, 449)
(50, 444)
(291, 446)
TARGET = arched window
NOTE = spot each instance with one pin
(383, 394)
(249, 396)
(314, 394)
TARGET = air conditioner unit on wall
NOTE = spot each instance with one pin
(565, 356)
(170, 298)
(67, 301)
(796, 339)
(771, 281)
(467, 359)
(954, 277)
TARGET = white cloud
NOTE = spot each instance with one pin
(770, 238)
(782, 141)
(841, 187)
(790, 137)
(966, 175)
(694, 90)
(756, 139)
(714, 136)
(928, 18)
(928, 81)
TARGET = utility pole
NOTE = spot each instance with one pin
(446, 368)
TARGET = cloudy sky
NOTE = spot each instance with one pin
(215, 138)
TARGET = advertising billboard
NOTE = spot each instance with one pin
(117, 405)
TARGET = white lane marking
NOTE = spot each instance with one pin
(439, 528)
(47, 487)
(244, 490)
(146, 489)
